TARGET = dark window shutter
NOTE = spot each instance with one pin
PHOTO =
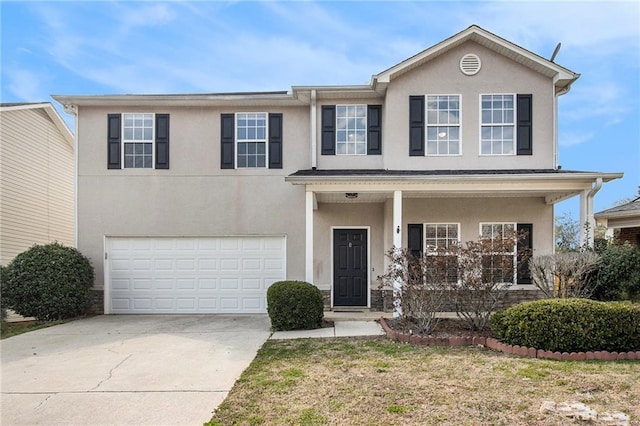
(414, 239)
(374, 130)
(113, 141)
(328, 130)
(275, 141)
(525, 125)
(227, 130)
(416, 125)
(162, 141)
(525, 250)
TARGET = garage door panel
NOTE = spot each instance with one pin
(191, 275)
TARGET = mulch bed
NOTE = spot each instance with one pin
(446, 327)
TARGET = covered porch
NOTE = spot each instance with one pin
(371, 211)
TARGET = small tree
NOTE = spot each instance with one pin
(565, 275)
(486, 272)
(423, 290)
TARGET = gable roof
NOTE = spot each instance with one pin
(563, 77)
(631, 208)
(49, 110)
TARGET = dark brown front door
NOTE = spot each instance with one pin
(350, 267)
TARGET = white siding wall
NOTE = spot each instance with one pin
(36, 183)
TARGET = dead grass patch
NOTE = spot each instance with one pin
(373, 382)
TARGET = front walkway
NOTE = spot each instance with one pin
(345, 324)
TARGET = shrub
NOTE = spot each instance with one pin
(423, 287)
(294, 305)
(618, 277)
(570, 325)
(565, 275)
(50, 282)
(4, 300)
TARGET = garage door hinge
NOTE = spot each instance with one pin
(105, 256)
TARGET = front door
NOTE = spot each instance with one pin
(350, 267)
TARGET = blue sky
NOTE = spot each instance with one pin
(100, 47)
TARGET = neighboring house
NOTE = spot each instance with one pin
(36, 178)
(197, 203)
(626, 219)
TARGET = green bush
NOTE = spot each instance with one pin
(50, 282)
(294, 305)
(4, 300)
(618, 277)
(570, 325)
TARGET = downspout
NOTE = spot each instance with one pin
(314, 133)
(588, 222)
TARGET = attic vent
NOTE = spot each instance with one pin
(470, 64)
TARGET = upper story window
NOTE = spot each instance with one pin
(138, 141)
(351, 129)
(443, 124)
(251, 139)
(498, 125)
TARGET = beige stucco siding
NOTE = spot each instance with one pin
(195, 197)
(442, 76)
(36, 181)
(357, 215)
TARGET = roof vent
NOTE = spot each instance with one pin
(470, 64)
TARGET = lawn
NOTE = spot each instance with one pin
(10, 329)
(381, 382)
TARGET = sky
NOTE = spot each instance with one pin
(125, 47)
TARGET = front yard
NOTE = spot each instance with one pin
(381, 382)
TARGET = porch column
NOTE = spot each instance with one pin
(584, 217)
(308, 260)
(397, 238)
(587, 221)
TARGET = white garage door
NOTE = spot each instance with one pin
(192, 275)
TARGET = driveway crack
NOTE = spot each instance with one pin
(110, 373)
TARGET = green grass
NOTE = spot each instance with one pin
(375, 382)
(10, 329)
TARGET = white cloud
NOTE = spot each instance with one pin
(573, 139)
(26, 85)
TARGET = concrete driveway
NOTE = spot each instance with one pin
(127, 370)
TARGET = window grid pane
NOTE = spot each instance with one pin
(440, 235)
(443, 125)
(138, 155)
(251, 136)
(498, 266)
(351, 129)
(497, 125)
(138, 141)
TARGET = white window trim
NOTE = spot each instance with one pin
(426, 124)
(514, 253)
(153, 141)
(236, 140)
(366, 128)
(424, 233)
(515, 121)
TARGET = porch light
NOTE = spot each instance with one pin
(351, 195)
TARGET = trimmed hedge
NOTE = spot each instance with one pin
(294, 305)
(570, 325)
(49, 282)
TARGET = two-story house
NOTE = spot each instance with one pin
(198, 202)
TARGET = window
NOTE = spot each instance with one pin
(138, 141)
(443, 124)
(351, 129)
(439, 237)
(498, 123)
(251, 137)
(500, 258)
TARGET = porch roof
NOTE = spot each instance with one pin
(375, 185)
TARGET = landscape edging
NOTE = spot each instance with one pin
(496, 345)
